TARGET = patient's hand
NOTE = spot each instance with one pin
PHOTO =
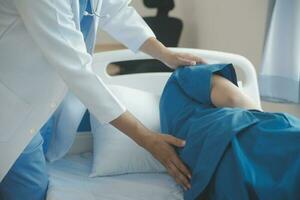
(225, 94)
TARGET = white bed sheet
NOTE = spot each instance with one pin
(69, 180)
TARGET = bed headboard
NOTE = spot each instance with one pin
(154, 82)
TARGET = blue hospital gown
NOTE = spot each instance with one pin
(233, 153)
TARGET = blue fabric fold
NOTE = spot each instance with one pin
(66, 122)
(233, 153)
(27, 179)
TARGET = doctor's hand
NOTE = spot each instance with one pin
(161, 146)
(178, 59)
(170, 58)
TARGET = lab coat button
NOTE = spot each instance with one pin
(32, 131)
(53, 105)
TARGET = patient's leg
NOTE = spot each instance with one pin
(225, 94)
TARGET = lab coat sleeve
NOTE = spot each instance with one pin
(52, 27)
(124, 23)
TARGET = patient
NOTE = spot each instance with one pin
(234, 150)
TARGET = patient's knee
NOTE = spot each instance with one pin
(225, 94)
(235, 100)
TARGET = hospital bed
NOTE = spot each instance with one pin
(69, 176)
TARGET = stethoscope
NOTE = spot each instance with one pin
(95, 13)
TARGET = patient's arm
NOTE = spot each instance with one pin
(225, 94)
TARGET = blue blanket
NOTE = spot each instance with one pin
(233, 153)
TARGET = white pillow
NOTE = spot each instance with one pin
(114, 152)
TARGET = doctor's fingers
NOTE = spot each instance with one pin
(174, 141)
(174, 158)
(178, 176)
(179, 165)
(181, 61)
(187, 57)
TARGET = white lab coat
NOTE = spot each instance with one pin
(43, 54)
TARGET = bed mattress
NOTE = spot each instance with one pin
(69, 180)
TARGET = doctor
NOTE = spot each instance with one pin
(45, 51)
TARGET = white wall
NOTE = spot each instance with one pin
(236, 26)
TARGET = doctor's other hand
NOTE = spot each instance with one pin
(161, 146)
(177, 59)
(170, 58)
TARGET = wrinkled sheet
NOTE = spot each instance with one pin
(69, 180)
